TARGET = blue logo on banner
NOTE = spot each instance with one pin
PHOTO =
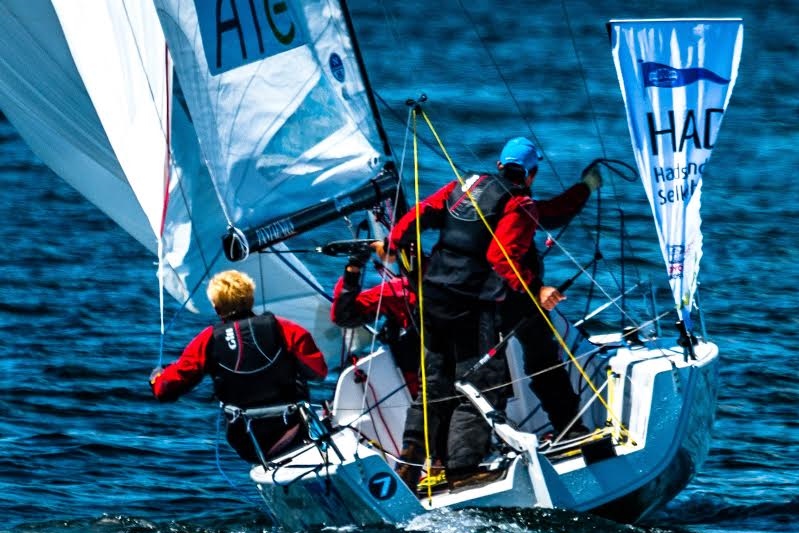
(660, 75)
(337, 67)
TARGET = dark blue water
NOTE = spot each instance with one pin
(83, 447)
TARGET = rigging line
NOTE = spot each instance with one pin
(420, 301)
(432, 146)
(383, 273)
(162, 122)
(590, 354)
(160, 237)
(191, 293)
(609, 164)
(582, 75)
(144, 70)
(311, 283)
(474, 26)
(218, 459)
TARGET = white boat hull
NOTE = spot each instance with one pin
(657, 437)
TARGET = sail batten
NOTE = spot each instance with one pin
(676, 77)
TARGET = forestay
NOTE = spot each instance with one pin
(676, 77)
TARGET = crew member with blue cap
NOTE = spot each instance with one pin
(467, 282)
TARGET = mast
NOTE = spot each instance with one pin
(402, 203)
(367, 84)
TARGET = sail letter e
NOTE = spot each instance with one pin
(237, 32)
(676, 77)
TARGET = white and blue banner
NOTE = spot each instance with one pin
(676, 77)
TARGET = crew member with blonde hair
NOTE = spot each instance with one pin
(254, 361)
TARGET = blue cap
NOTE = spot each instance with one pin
(520, 151)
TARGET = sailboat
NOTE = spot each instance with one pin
(219, 137)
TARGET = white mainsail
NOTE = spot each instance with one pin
(277, 100)
(676, 76)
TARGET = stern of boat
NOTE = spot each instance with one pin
(652, 439)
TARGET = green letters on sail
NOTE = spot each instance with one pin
(676, 78)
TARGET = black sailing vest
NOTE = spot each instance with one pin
(249, 364)
(458, 263)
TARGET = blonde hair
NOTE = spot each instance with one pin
(231, 292)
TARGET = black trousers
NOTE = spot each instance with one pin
(458, 331)
(553, 388)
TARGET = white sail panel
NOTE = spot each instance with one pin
(676, 78)
(193, 252)
(44, 97)
(281, 111)
(120, 52)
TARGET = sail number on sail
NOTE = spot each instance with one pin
(238, 32)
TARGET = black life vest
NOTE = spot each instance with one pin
(250, 366)
(458, 263)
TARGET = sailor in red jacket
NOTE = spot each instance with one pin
(254, 361)
(465, 286)
(394, 299)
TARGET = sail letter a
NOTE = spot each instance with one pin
(676, 78)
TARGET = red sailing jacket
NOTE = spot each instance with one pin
(186, 373)
(515, 228)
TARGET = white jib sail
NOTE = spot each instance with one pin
(45, 98)
(676, 78)
(120, 52)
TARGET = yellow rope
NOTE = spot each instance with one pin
(420, 299)
(516, 272)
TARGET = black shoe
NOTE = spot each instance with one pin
(409, 470)
(409, 474)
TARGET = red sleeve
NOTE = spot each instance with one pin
(392, 298)
(558, 211)
(431, 215)
(184, 374)
(300, 344)
(515, 230)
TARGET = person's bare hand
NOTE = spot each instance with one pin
(549, 297)
(382, 253)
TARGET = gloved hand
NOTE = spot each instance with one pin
(359, 258)
(157, 371)
(591, 177)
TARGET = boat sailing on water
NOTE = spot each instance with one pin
(275, 103)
